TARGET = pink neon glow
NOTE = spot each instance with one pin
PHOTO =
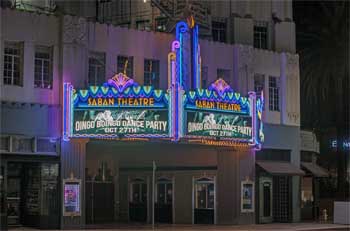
(175, 45)
(121, 82)
(220, 86)
(173, 79)
(252, 96)
(67, 89)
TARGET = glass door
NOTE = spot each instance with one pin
(164, 201)
(204, 204)
(138, 200)
(265, 197)
(14, 193)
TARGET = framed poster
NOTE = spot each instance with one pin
(247, 196)
(71, 197)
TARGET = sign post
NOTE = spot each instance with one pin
(153, 190)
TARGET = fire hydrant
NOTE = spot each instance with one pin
(324, 215)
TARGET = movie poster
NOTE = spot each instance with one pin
(247, 196)
(72, 198)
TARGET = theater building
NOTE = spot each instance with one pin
(90, 111)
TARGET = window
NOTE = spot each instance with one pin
(125, 65)
(5, 143)
(138, 192)
(43, 6)
(273, 155)
(204, 194)
(204, 73)
(45, 145)
(121, 12)
(224, 74)
(20, 144)
(96, 68)
(104, 11)
(161, 24)
(13, 61)
(143, 25)
(219, 31)
(260, 35)
(259, 83)
(164, 192)
(151, 73)
(306, 156)
(273, 94)
(307, 198)
(43, 67)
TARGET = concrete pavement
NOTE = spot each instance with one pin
(274, 226)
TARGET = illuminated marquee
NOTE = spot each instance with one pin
(217, 113)
(123, 110)
(119, 108)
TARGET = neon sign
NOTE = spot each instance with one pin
(120, 109)
(217, 113)
(345, 144)
(218, 125)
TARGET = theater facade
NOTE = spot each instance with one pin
(199, 148)
(200, 142)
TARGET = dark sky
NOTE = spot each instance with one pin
(311, 18)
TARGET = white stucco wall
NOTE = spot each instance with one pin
(80, 36)
(32, 29)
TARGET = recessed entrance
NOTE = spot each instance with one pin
(32, 194)
(265, 204)
(99, 194)
(164, 201)
(138, 200)
(204, 201)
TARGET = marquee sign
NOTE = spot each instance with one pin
(217, 113)
(218, 125)
(120, 122)
(119, 108)
(122, 109)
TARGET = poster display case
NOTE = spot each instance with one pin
(71, 197)
(247, 196)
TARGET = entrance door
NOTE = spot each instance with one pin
(99, 201)
(138, 200)
(204, 196)
(99, 195)
(265, 197)
(14, 174)
(282, 199)
(164, 203)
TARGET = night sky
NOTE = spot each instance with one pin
(322, 29)
(322, 40)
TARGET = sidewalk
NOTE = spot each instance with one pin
(275, 226)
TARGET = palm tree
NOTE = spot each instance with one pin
(323, 46)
